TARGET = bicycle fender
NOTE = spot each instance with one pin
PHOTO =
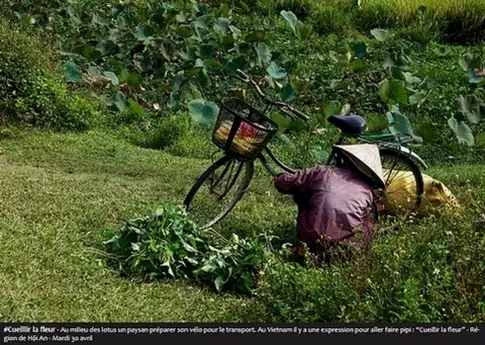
(414, 156)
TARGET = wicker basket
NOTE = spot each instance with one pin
(242, 130)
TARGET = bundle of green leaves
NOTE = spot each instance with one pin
(167, 244)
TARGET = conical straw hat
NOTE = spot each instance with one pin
(366, 157)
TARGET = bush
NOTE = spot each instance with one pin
(176, 134)
(32, 89)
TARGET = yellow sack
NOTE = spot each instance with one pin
(401, 192)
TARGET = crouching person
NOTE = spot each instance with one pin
(335, 202)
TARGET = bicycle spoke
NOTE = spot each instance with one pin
(401, 183)
(229, 167)
(219, 191)
(233, 181)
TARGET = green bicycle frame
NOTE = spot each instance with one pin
(387, 140)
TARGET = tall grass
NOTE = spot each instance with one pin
(456, 20)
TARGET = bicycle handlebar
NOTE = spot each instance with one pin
(284, 107)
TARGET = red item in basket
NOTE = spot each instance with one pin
(247, 130)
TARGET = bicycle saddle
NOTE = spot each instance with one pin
(352, 124)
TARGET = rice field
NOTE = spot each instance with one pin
(456, 20)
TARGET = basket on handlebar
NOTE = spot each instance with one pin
(242, 130)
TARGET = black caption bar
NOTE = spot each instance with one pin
(212, 333)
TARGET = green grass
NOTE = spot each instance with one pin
(60, 192)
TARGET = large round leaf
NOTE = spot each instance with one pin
(212, 65)
(410, 79)
(471, 107)
(474, 77)
(202, 22)
(255, 36)
(283, 122)
(392, 92)
(143, 32)
(73, 72)
(264, 54)
(418, 98)
(288, 93)
(429, 132)
(480, 139)
(184, 31)
(303, 31)
(107, 47)
(384, 90)
(468, 62)
(376, 122)
(112, 77)
(291, 19)
(87, 51)
(203, 112)
(206, 51)
(319, 154)
(381, 35)
(276, 72)
(119, 100)
(462, 131)
(222, 26)
(339, 58)
(359, 49)
(332, 108)
(398, 92)
(400, 124)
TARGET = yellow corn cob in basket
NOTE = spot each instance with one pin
(241, 144)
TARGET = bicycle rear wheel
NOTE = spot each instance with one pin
(409, 190)
(218, 190)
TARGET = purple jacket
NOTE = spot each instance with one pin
(332, 202)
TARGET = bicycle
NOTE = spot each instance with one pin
(234, 171)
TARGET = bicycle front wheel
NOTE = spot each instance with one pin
(218, 190)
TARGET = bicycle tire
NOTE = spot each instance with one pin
(414, 168)
(243, 167)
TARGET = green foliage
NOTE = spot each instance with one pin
(302, 31)
(419, 32)
(73, 73)
(203, 112)
(164, 134)
(396, 84)
(156, 52)
(381, 35)
(174, 133)
(410, 275)
(167, 244)
(295, 293)
(32, 90)
(399, 124)
(449, 21)
(470, 108)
